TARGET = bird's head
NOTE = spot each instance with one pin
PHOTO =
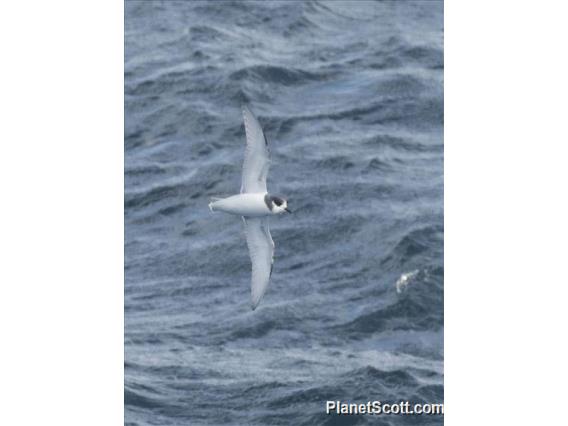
(278, 205)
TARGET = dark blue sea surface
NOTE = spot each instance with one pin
(350, 95)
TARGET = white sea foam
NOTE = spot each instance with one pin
(404, 280)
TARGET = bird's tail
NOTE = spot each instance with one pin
(212, 201)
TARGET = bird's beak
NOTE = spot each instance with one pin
(288, 210)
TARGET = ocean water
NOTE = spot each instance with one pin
(350, 96)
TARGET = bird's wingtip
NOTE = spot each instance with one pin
(254, 303)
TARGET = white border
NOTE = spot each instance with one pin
(61, 232)
(505, 212)
(61, 226)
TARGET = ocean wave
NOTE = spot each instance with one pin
(274, 74)
(414, 244)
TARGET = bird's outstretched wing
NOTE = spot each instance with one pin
(257, 155)
(261, 249)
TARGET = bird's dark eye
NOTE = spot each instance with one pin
(278, 202)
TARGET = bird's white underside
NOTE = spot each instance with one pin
(249, 205)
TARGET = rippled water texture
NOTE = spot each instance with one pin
(351, 99)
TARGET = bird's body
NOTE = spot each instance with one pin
(255, 205)
(248, 205)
